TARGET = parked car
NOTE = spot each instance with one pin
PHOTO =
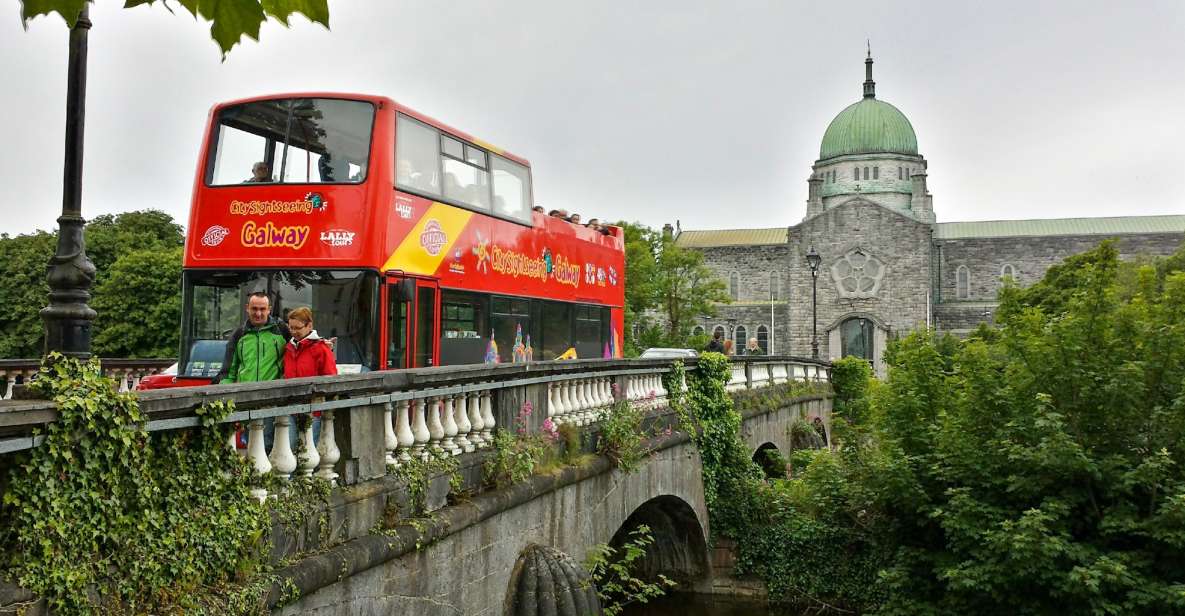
(205, 361)
(667, 353)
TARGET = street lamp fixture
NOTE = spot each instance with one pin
(70, 273)
(813, 260)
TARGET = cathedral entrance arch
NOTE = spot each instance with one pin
(858, 334)
(856, 338)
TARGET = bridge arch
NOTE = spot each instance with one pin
(771, 459)
(679, 550)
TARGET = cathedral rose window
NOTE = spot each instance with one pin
(858, 275)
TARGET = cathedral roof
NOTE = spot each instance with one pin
(731, 237)
(1117, 225)
(869, 126)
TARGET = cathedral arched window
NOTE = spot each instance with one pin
(866, 173)
(775, 287)
(876, 173)
(698, 330)
(1008, 271)
(734, 285)
(963, 283)
(740, 338)
(763, 338)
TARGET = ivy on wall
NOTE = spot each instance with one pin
(105, 517)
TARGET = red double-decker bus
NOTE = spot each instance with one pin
(413, 243)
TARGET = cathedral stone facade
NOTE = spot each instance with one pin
(886, 267)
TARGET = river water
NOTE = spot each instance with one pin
(686, 604)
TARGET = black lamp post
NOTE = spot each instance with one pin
(732, 327)
(813, 259)
(70, 272)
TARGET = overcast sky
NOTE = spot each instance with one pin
(707, 112)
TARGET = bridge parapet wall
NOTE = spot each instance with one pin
(376, 421)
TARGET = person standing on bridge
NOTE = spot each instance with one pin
(306, 354)
(715, 345)
(255, 351)
(753, 348)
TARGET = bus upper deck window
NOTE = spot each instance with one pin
(417, 153)
(512, 189)
(304, 141)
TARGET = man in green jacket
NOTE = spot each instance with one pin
(255, 351)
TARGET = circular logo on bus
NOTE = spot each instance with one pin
(214, 235)
(433, 238)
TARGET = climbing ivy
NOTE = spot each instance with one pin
(105, 517)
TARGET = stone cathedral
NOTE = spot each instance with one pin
(886, 266)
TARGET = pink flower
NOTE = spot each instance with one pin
(550, 431)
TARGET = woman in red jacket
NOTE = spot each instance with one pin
(306, 354)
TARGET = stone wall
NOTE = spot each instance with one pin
(899, 303)
(1031, 256)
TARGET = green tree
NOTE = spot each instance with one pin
(686, 289)
(229, 20)
(668, 282)
(139, 305)
(1035, 469)
(23, 292)
(109, 238)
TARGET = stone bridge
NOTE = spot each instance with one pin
(359, 556)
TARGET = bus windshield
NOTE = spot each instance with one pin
(291, 141)
(343, 305)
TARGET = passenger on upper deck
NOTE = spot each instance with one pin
(406, 174)
(260, 172)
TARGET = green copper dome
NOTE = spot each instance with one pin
(869, 127)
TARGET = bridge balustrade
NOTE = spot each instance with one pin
(125, 372)
(377, 421)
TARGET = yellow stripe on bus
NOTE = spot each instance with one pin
(415, 254)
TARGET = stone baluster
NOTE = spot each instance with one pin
(122, 379)
(565, 393)
(487, 417)
(403, 431)
(327, 449)
(258, 456)
(435, 428)
(419, 427)
(553, 409)
(11, 378)
(136, 379)
(282, 459)
(586, 401)
(449, 419)
(737, 379)
(659, 387)
(464, 426)
(586, 414)
(476, 435)
(604, 394)
(230, 441)
(760, 375)
(308, 459)
(390, 441)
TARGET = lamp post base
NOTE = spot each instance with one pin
(67, 317)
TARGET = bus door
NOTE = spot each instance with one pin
(412, 323)
(401, 294)
(427, 326)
